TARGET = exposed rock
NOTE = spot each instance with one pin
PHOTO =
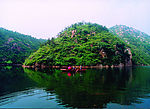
(76, 41)
(91, 45)
(121, 65)
(116, 52)
(14, 44)
(128, 61)
(37, 65)
(102, 53)
(73, 33)
(94, 33)
(10, 39)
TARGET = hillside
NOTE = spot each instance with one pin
(82, 44)
(15, 47)
(138, 41)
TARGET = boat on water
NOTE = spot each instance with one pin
(76, 70)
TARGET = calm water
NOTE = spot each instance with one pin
(52, 88)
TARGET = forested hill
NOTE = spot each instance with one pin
(138, 41)
(15, 47)
(82, 44)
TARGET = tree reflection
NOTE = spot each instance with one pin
(95, 87)
(13, 79)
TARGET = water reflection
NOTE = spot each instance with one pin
(95, 87)
(13, 79)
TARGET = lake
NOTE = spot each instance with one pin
(95, 88)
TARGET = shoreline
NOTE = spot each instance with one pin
(5, 64)
(76, 66)
(65, 66)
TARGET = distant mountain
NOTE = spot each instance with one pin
(16, 47)
(82, 44)
(138, 41)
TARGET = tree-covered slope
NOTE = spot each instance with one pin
(138, 41)
(15, 47)
(81, 44)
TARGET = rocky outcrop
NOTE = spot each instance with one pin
(128, 61)
(73, 33)
(102, 53)
(9, 40)
(76, 41)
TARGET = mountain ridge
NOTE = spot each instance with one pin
(15, 47)
(139, 42)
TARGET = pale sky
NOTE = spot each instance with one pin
(45, 18)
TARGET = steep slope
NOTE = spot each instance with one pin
(82, 44)
(139, 42)
(15, 47)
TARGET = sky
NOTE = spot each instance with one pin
(46, 18)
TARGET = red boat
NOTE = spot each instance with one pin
(76, 70)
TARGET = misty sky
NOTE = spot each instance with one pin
(45, 18)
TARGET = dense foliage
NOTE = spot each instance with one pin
(15, 47)
(138, 41)
(81, 44)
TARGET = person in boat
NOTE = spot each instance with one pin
(69, 68)
(80, 67)
(74, 68)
